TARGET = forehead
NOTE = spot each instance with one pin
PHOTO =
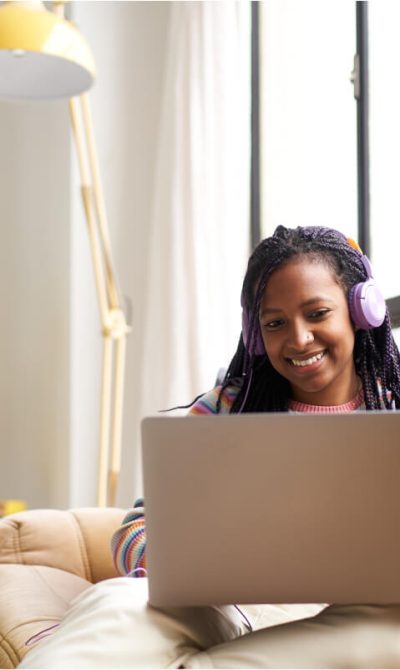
(302, 278)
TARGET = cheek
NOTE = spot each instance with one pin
(342, 339)
(344, 328)
(346, 319)
(272, 348)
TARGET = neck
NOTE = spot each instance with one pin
(341, 394)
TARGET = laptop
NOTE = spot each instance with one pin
(272, 508)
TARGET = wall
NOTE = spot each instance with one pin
(34, 281)
(50, 340)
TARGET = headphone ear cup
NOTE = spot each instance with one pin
(259, 349)
(367, 305)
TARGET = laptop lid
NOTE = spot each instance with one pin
(273, 508)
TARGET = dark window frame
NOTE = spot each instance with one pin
(361, 94)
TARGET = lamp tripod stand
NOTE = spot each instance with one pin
(114, 326)
(43, 56)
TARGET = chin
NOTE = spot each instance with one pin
(310, 389)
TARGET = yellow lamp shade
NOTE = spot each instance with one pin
(42, 55)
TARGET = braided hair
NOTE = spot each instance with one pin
(376, 356)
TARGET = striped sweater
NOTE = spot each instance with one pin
(128, 544)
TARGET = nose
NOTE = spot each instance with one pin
(300, 335)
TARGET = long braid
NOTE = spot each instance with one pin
(376, 356)
(266, 383)
(391, 365)
(365, 365)
(233, 374)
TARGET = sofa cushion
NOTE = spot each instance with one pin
(32, 599)
(110, 625)
(74, 540)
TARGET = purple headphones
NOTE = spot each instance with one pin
(366, 303)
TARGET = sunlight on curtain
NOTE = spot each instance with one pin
(199, 241)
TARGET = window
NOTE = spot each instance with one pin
(384, 133)
(307, 115)
(313, 153)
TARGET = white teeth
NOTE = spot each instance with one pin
(309, 361)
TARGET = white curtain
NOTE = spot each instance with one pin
(199, 241)
(199, 237)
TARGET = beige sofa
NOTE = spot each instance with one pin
(47, 557)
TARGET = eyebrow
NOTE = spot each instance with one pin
(306, 303)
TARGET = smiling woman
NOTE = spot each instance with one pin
(315, 331)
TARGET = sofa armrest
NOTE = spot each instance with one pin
(77, 541)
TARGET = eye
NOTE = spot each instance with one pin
(318, 314)
(273, 325)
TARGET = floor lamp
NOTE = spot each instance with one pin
(42, 57)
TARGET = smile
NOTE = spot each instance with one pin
(309, 361)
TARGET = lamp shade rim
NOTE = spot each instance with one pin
(45, 46)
